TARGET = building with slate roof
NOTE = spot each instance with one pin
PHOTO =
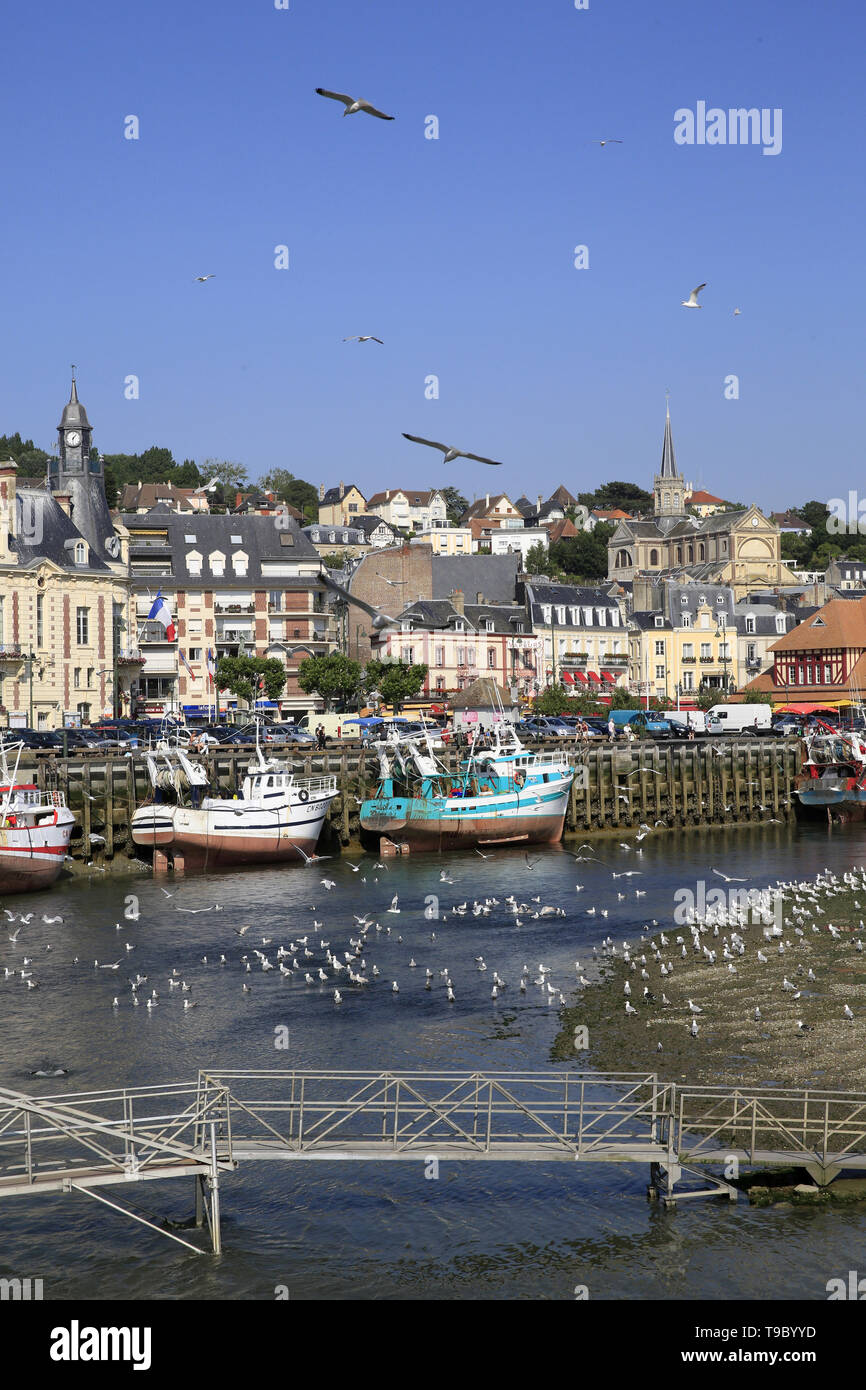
(67, 631)
(341, 505)
(583, 634)
(460, 641)
(238, 585)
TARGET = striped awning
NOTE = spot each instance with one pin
(594, 676)
(611, 680)
(568, 678)
(580, 676)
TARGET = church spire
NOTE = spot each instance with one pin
(669, 462)
(668, 485)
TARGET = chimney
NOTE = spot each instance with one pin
(8, 519)
(458, 601)
(342, 490)
(321, 492)
(540, 500)
(387, 494)
(64, 501)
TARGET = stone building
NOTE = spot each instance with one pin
(739, 548)
(67, 632)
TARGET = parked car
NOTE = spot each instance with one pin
(642, 721)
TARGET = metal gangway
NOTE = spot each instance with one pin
(207, 1128)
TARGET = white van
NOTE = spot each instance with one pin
(333, 725)
(732, 719)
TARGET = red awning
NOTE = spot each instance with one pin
(580, 676)
(611, 680)
(593, 676)
(568, 678)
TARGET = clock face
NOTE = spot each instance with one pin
(73, 439)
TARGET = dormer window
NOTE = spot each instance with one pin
(720, 598)
(547, 613)
(660, 622)
(780, 622)
(80, 553)
(684, 600)
(614, 617)
(750, 624)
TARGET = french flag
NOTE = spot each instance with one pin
(162, 613)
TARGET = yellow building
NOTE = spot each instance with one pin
(450, 540)
(67, 631)
(685, 644)
(341, 505)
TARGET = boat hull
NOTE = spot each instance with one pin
(208, 839)
(436, 824)
(30, 860)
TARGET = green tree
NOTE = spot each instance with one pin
(31, 461)
(335, 561)
(757, 697)
(583, 557)
(395, 681)
(628, 497)
(242, 676)
(233, 476)
(334, 677)
(537, 561)
(623, 699)
(553, 700)
(299, 494)
(455, 503)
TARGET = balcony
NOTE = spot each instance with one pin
(129, 657)
(710, 660)
(689, 660)
(234, 607)
(10, 651)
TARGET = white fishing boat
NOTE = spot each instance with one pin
(275, 816)
(35, 829)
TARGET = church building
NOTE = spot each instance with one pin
(740, 548)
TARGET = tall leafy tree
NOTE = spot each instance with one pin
(455, 503)
(334, 677)
(537, 560)
(242, 674)
(395, 681)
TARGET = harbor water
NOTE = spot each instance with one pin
(371, 1230)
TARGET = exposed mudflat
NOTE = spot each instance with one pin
(732, 1047)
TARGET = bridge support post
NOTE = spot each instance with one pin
(822, 1173)
(199, 1199)
(216, 1236)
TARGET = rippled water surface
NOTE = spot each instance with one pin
(380, 1230)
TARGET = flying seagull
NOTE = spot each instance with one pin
(363, 338)
(380, 619)
(451, 454)
(605, 142)
(200, 279)
(208, 487)
(352, 105)
(737, 311)
(692, 301)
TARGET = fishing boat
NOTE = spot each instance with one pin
(832, 778)
(502, 795)
(275, 816)
(35, 829)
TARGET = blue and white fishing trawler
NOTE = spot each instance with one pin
(501, 795)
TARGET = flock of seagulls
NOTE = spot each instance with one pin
(345, 960)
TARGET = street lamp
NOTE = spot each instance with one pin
(723, 633)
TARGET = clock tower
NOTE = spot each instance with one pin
(79, 472)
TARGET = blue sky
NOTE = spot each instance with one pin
(458, 252)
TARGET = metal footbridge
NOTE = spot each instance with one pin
(208, 1127)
